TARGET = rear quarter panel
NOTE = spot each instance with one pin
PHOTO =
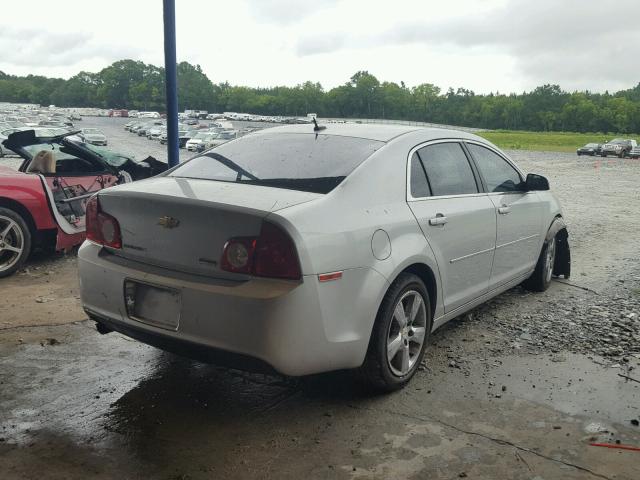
(28, 191)
(335, 232)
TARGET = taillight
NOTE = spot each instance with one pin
(101, 227)
(238, 255)
(272, 254)
(275, 254)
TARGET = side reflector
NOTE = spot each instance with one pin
(327, 277)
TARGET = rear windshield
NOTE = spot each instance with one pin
(285, 160)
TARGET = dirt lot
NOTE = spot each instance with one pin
(518, 389)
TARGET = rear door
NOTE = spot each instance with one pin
(456, 217)
(519, 215)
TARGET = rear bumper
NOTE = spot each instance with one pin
(294, 329)
(185, 348)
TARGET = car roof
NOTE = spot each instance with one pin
(379, 132)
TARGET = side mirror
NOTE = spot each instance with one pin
(536, 183)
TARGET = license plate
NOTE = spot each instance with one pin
(152, 304)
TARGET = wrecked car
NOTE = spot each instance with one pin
(619, 147)
(305, 249)
(43, 203)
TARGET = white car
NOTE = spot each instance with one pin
(222, 137)
(304, 250)
(200, 141)
(93, 136)
(148, 115)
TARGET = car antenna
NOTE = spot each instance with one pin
(317, 127)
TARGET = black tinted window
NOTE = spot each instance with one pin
(497, 173)
(448, 169)
(419, 184)
(286, 160)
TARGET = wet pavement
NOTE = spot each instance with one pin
(76, 403)
(518, 389)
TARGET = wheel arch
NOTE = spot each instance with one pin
(425, 273)
(562, 263)
(22, 210)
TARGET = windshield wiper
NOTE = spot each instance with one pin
(232, 165)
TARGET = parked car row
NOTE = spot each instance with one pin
(244, 117)
(193, 135)
(44, 122)
(618, 147)
(132, 113)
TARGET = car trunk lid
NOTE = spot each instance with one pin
(183, 224)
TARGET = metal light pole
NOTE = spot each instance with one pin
(169, 15)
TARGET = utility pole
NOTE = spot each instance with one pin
(169, 16)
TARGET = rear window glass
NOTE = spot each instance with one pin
(448, 169)
(419, 183)
(285, 160)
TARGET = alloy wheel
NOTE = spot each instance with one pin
(407, 332)
(550, 260)
(11, 243)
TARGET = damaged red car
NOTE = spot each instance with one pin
(42, 205)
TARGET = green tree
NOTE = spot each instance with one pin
(134, 84)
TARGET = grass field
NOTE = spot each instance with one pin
(546, 141)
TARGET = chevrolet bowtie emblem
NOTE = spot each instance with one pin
(168, 222)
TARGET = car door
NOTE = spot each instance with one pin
(73, 180)
(519, 215)
(456, 217)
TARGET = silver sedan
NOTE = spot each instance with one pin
(303, 250)
(93, 136)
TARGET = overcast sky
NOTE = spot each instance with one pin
(482, 45)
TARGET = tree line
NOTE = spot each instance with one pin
(135, 85)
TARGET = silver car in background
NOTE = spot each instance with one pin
(305, 249)
(93, 136)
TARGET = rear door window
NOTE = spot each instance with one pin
(497, 173)
(307, 162)
(419, 184)
(448, 169)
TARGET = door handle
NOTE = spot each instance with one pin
(504, 209)
(439, 219)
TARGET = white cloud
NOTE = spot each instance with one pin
(39, 48)
(285, 12)
(489, 45)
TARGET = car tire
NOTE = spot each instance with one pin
(15, 234)
(541, 277)
(378, 371)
